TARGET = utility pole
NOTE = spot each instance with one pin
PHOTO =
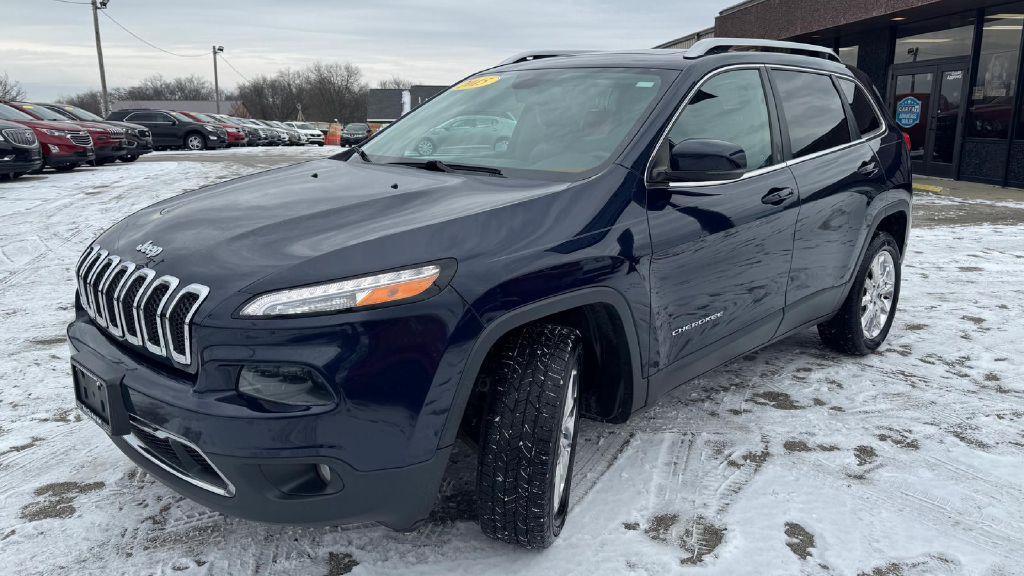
(216, 81)
(98, 5)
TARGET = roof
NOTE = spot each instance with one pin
(201, 106)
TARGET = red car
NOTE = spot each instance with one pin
(236, 136)
(108, 141)
(66, 146)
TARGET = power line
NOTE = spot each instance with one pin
(232, 66)
(72, 2)
(148, 43)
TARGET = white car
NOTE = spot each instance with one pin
(313, 136)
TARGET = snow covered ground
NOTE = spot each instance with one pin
(793, 460)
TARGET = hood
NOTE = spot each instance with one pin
(94, 126)
(312, 222)
(125, 125)
(50, 125)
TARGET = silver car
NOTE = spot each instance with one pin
(467, 134)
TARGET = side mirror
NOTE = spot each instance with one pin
(701, 160)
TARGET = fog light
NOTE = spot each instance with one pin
(324, 472)
(54, 149)
(292, 385)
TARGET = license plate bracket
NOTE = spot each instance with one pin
(100, 400)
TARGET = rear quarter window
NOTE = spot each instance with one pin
(864, 114)
(813, 110)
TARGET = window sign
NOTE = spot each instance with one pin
(908, 112)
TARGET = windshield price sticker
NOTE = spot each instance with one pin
(474, 83)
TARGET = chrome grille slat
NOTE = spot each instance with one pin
(154, 313)
(131, 303)
(20, 136)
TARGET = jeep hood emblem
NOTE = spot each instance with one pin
(149, 249)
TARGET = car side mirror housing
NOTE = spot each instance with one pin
(704, 160)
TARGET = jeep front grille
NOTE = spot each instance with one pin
(136, 305)
(80, 138)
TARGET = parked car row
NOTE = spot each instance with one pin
(63, 138)
(199, 131)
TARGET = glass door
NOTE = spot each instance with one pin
(929, 106)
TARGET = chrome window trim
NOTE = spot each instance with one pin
(202, 292)
(768, 169)
(140, 447)
(101, 305)
(171, 282)
(90, 308)
(147, 275)
(129, 269)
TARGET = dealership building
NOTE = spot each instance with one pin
(950, 70)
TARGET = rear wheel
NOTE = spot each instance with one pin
(528, 441)
(132, 158)
(865, 317)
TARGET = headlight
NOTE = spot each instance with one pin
(341, 295)
(56, 132)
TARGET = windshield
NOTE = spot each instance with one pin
(79, 113)
(180, 117)
(552, 121)
(44, 113)
(8, 113)
(303, 126)
(205, 118)
(356, 128)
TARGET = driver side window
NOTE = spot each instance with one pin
(730, 107)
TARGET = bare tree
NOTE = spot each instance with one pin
(10, 89)
(325, 91)
(156, 87)
(396, 83)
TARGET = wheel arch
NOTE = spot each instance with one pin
(595, 311)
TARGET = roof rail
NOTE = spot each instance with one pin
(719, 45)
(539, 54)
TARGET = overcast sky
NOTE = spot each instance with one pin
(49, 47)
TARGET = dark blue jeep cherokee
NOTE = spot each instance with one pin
(307, 344)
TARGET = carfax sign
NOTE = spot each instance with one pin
(908, 112)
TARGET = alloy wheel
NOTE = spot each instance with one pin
(565, 438)
(876, 298)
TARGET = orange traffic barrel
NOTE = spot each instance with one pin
(334, 135)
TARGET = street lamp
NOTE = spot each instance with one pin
(216, 81)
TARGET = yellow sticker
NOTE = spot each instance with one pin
(474, 83)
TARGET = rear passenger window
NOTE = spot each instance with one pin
(863, 112)
(814, 113)
(730, 107)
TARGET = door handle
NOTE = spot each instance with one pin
(868, 168)
(777, 196)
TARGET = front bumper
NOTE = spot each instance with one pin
(108, 152)
(381, 440)
(66, 155)
(20, 160)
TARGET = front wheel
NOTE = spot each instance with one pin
(65, 167)
(195, 142)
(528, 441)
(131, 158)
(865, 317)
(426, 147)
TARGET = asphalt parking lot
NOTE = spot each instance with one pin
(792, 460)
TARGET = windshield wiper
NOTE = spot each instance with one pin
(362, 155)
(439, 166)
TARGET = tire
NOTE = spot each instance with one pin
(129, 158)
(529, 429)
(852, 330)
(194, 141)
(65, 167)
(426, 147)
